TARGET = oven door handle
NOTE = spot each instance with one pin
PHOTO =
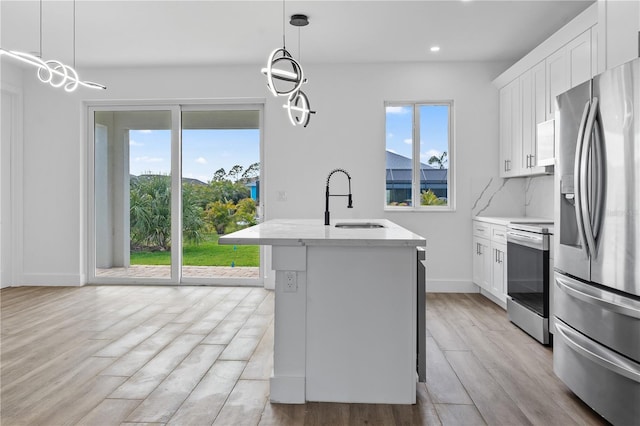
(595, 296)
(533, 241)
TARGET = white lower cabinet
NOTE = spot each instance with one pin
(482, 262)
(490, 259)
(499, 278)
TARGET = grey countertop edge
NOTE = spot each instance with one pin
(322, 242)
(506, 220)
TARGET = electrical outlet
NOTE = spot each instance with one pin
(290, 282)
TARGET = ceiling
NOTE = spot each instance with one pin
(172, 33)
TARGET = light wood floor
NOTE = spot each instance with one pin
(109, 355)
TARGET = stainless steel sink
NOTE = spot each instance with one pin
(361, 225)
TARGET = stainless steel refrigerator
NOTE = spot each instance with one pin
(597, 243)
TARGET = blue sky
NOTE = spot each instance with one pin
(203, 151)
(434, 128)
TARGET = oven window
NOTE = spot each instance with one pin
(528, 277)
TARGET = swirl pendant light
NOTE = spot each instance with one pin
(54, 72)
(285, 76)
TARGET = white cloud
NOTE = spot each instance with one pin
(408, 141)
(147, 159)
(390, 135)
(430, 153)
(201, 160)
(145, 131)
(397, 110)
(134, 143)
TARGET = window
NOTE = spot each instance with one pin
(419, 160)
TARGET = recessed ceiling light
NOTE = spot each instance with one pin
(435, 48)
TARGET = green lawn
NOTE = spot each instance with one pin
(207, 253)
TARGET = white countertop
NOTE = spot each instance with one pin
(497, 220)
(300, 232)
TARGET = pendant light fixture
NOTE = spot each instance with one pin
(297, 104)
(54, 72)
(285, 76)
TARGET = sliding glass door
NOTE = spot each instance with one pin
(167, 181)
(220, 191)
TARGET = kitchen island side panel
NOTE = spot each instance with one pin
(361, 324)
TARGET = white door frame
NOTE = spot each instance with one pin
(176, 107)
(11, 203)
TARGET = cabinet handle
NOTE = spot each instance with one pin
(531, 161)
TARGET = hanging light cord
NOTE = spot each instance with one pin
(284, 44)
(299, 50)
(40, 52)
(74, 33)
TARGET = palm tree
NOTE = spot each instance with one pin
(440, 161)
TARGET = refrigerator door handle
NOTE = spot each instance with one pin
(597, 353)
(577, 169)
(594, 296)
(586, 196)
(599, 169)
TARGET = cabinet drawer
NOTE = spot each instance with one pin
(481, 229)
(499, 234)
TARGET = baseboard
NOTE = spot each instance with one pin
(494, 299)
(451, 286)
(51, 280)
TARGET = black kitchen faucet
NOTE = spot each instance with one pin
(327, 195)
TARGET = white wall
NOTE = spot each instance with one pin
(348, 132)
(54, 158)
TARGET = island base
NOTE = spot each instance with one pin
(345, 324)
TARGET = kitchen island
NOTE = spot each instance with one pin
(345, 309)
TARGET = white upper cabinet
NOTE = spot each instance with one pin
(510, 129)
(528, 89)
(557, 78)
(533, 98)
(618, 36)
(567, 67)
(579, 53)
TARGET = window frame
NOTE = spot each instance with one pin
(415, 173)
